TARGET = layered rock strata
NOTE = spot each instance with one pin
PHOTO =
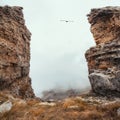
(14, 53)
(104, 59)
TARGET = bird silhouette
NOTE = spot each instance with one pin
(66, 21)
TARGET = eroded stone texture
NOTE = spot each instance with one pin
(104, 59)
(105, 23)
(14, 52)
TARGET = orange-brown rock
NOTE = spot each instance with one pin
(104, 59)
(105, 23)
(14, 52)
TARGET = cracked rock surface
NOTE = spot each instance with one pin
(14, 52)
(104, 59)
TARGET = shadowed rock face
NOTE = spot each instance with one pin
(14, 53)
(104, 59)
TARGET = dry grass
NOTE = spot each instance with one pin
(69, 109)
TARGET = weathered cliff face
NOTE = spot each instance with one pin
(104, 59)
(14, 53)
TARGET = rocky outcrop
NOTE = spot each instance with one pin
(14, 53)
(104, 59)
(55, 95)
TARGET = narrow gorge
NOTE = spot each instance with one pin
(17, 99)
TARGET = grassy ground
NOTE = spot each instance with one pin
(77, 108)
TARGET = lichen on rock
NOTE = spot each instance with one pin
(14, 52)
(104, 59)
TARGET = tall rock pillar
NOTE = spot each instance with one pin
(104, 59)
(14, 53)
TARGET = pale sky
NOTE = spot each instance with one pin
(57, 48)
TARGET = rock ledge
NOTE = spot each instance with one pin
(104, 59)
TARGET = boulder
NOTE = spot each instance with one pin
(5, 107)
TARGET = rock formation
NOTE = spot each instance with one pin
(14, 53)
(55, 95)
(104, 59)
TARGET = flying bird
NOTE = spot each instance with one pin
(66, 21)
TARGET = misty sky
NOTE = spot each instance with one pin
(57, 47)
